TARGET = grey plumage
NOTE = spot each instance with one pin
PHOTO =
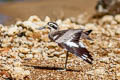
(69, 40)
(72, 36)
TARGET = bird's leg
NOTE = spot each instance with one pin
(66, 60)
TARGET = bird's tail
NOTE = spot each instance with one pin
(88, 32)
(84, 35)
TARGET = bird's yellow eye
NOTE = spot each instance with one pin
(51, 25)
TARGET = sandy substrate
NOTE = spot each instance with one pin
(56, 9)
(27, 53)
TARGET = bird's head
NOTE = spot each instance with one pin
(50, 25)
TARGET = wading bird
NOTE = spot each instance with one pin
(70, 40)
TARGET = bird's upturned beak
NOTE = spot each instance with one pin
(40, 28)
(43, 27)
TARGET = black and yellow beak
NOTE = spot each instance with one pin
(40, 28)
(43, 27)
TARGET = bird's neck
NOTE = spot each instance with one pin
(51, 34)
(53, 30)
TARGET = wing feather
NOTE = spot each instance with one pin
(69, 39)
(84, 54)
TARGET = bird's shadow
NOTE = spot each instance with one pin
(51, 68)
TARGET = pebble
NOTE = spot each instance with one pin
(29, 56)
(17, 63)
(99, 71)
(117, 18)
(118, 74)
(13, 30)
(36, 56)
(104, 59)
(104, 48)
(36, 50)
(67, 21)
(21, 55)
(24, 50)
(18, 73)
(47, 19)
(107, 18)
(34, 19)
(30, 25)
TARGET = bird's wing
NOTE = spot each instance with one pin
(68, 35)
(57, 34)
(83, 53)
(79, 50)
(70, 41)
(76, 47)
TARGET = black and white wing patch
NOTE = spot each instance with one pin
(69, 39)
(83, 53)
(76, 47)
(79, 50)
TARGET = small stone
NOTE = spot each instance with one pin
(18, 22)
(91, 26)
(30, 25)
(6, 67)
(36, 50)
(107, 18)
(59, 21)
(118, 74)
(37, 56)
(26, 73)
(111, 54)
(24, 50)
(105, 59)
(47, 19)
(45, 55)
(4, 45)
(67, 21)
(34, 19)
(18, 73)
(13, 30)
(118, 31)
(117, 18)
(90, 72)
(28, 33)
(29, 56)
(113, 22)
(17, 64)
(21, 55)
(99, 71)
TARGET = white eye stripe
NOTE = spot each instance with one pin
(53, 25)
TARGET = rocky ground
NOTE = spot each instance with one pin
(26, 53)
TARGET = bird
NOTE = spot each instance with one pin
(111, 7)
(70, 41)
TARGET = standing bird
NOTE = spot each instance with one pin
(69, 40)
